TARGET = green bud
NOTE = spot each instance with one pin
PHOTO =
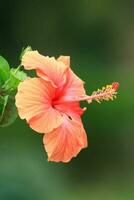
(16, 76)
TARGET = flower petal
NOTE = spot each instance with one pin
(71, 109)
(73, 88)
(65, 60)
(65, 142)
(33, 101)
(47, 68)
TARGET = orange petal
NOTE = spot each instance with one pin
(65, 142)
(74, 85)
(73, 88)
(33, 101)
(71, 109)
(65, 60)
(47, 68)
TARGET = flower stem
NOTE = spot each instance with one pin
(17, 69)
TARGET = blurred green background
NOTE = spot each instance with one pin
(99, 37)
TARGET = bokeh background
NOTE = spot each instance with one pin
(99, 37)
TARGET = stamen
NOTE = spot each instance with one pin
(107, 93)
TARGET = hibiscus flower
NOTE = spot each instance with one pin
(50, 104)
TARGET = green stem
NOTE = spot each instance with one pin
(17, 69)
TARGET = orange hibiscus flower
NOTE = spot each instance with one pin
(50, 104)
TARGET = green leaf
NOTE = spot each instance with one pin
(4, 70)
(8, 111)
(16, 76)
(3, 102)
